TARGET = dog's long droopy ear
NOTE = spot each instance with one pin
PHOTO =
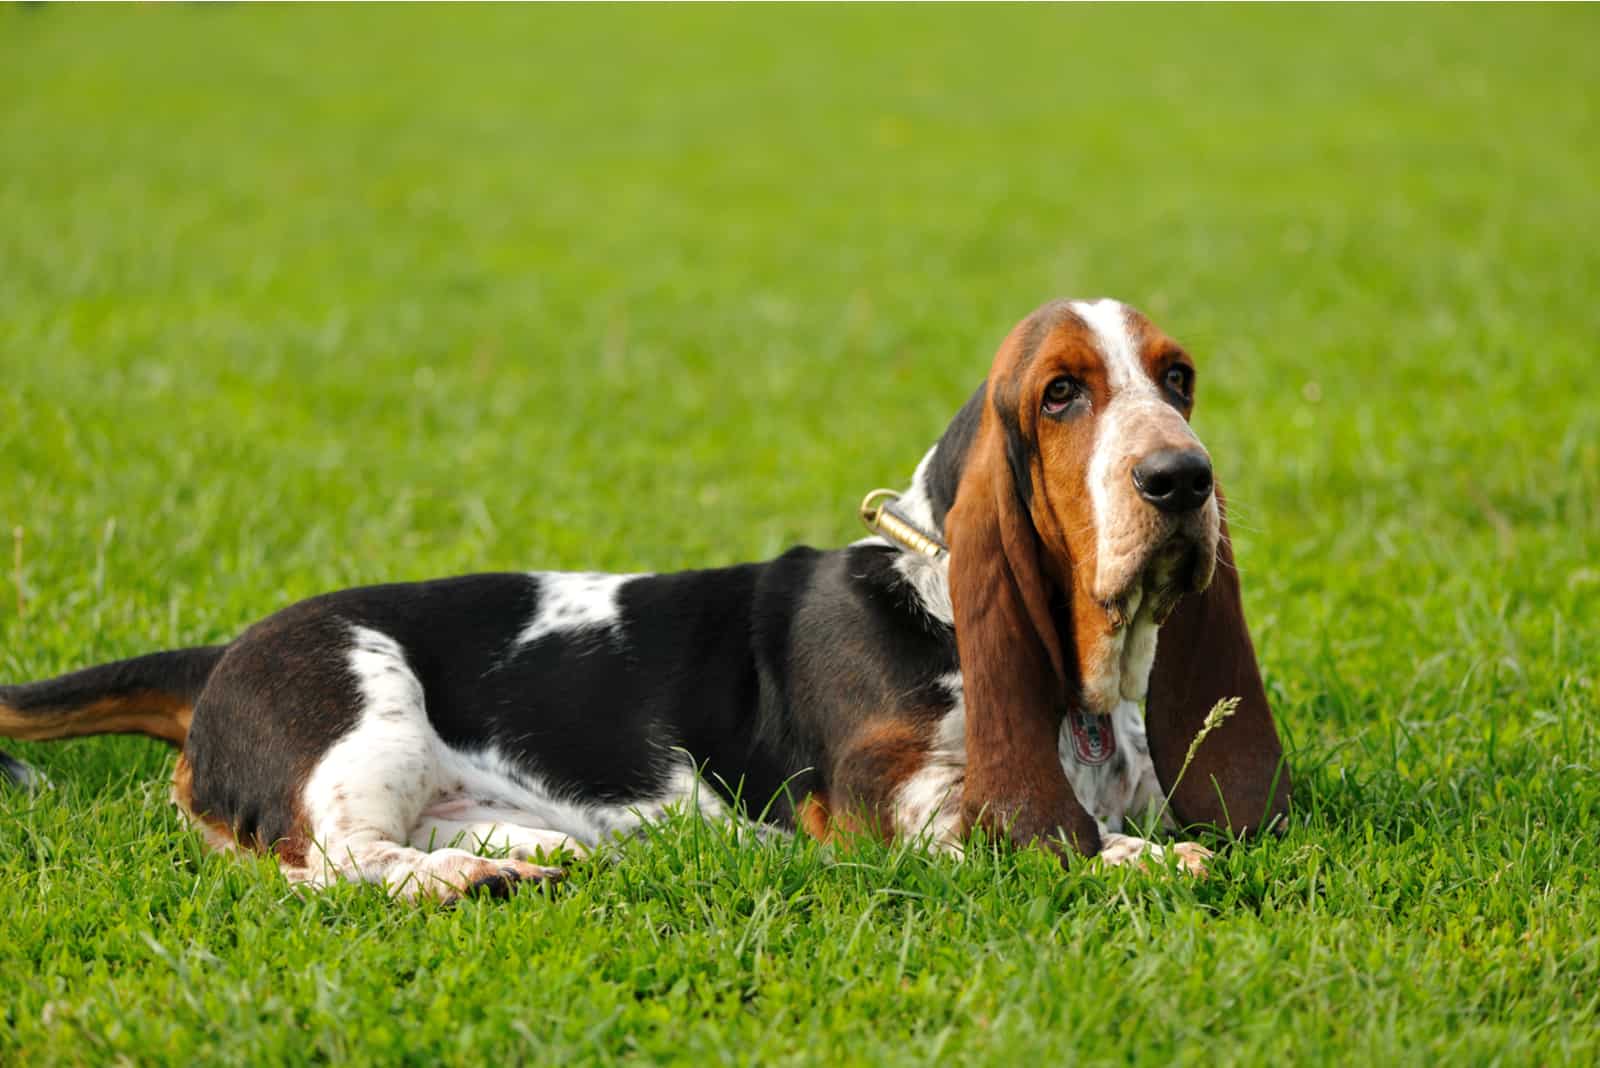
(1011, 658)
(1238, 778)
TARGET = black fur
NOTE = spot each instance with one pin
(180, 671)
(760, 672)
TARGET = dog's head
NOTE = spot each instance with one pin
(1088, 482)
(1086, 512)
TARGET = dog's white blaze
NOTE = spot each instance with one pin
(388, 794)
(1126, 378)
(571, 601)
(1108, 319)
(1108, 322)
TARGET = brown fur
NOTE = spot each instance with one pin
(150, 712)
(814, 819)
(1008, 637)
(874, 765)
(216, 834)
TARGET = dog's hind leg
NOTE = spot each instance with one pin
(369, 789)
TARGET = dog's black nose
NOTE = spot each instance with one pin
(1174, 480)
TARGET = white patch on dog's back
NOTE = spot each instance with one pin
(574, 601)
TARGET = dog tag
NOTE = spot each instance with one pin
(1093, 740)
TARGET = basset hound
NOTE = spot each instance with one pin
(989, 657)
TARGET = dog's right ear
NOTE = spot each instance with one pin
(1012, 669)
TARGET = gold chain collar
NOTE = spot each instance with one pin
(880, 515)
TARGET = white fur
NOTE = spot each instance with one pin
(24, 775)
(1117, 849)
(928, 578)
(1108, 319)
(386, 796)
(928, 804)
(574, 601)
(1138, 657)
(916, 503)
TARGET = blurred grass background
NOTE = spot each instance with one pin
(292, 299)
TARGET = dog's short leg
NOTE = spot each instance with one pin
(443, 874)
(360, 841)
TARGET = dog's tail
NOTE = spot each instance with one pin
(152, 695)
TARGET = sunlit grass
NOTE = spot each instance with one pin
(297, 299)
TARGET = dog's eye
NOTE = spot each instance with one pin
(1060, 393)
(1180, 380)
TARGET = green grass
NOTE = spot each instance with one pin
(298, 299)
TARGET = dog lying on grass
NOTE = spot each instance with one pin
(981, 660)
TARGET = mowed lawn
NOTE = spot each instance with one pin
(298, 299)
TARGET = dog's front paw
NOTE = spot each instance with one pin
(1192, 857)
(1119, 849)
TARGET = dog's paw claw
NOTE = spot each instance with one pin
(503, 881)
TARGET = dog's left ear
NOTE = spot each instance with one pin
(1238, 778)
